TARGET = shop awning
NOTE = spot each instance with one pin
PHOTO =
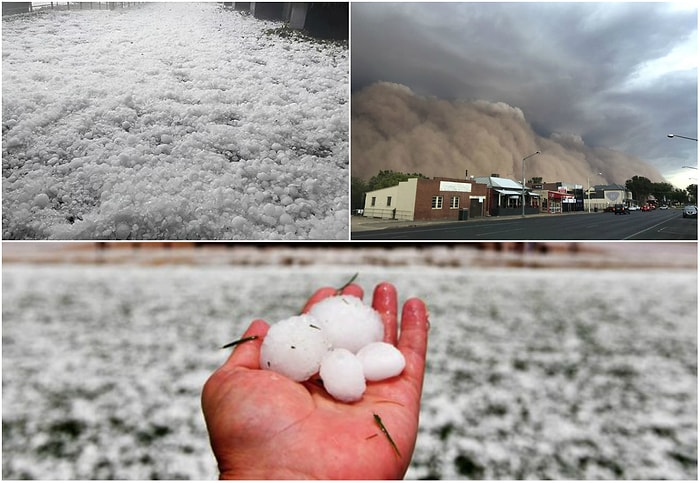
(509, 192)
(558, 195)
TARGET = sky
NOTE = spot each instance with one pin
(610, 76)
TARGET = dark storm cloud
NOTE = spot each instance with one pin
(616, 75)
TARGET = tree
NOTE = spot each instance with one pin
(387, 178)
(662, 191)
(358, 188)
(640, 187)
(692, 191)
(679, 196)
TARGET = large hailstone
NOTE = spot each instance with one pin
(343, 376)
(381, 361)
(294, 347)
(347, 322)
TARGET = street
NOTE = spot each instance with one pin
(652, 225)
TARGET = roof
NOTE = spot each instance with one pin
(494, 182)
(610, 187)
(510, 192)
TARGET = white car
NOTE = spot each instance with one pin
(690, 211)
(633, 208)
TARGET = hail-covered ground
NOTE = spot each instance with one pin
(532, 373)
(171, 121)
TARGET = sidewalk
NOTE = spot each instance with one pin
(361, 223)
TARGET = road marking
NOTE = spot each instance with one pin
(671, 231)
(647, 229)
(497, 231)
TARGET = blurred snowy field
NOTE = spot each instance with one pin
(585, 374)
(171, 121)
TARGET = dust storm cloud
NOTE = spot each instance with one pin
(393, 128)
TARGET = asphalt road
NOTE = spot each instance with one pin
(638, 225)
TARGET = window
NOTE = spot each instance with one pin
(437, 202)
(388, 200)
(374, 200)
(454, 202)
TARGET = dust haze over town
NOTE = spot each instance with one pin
(443, 89)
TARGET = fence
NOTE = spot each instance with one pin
(388, 214)
(12, 8)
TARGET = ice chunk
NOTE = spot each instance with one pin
(342, 375)
(41, 200)
(381, 360)
(348, 323)
(294, 347)
(122, 231)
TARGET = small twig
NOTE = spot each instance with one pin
(378, 420)
(239, 341)
(340, 290)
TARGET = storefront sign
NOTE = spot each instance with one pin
(454, 186)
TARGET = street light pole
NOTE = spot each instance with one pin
(523, 173)
(679, 136)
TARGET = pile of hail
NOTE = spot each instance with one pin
(340, 339)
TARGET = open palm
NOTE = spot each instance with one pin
(263, 425)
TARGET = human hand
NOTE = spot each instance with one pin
(263, 425)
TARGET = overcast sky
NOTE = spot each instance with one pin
(619, 75)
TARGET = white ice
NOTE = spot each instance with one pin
(381, 360)
(342, 375)
(347, 322)
(171, 121)
(294, 347)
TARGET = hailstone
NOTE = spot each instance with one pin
(294, 347)
(41, 200)
(381, 360)
(340, 339)
(347, 322)
(342, 375)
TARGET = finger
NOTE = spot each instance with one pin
(385, 302)
(325, 292)
(413, 341)
(247, 354)
(354, 290)
(320, 294)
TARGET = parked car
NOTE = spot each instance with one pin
(620, 209)
(663, 207)
(634, 208)
(690, 211)
(646, 208)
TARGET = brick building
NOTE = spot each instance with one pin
(428, 199)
